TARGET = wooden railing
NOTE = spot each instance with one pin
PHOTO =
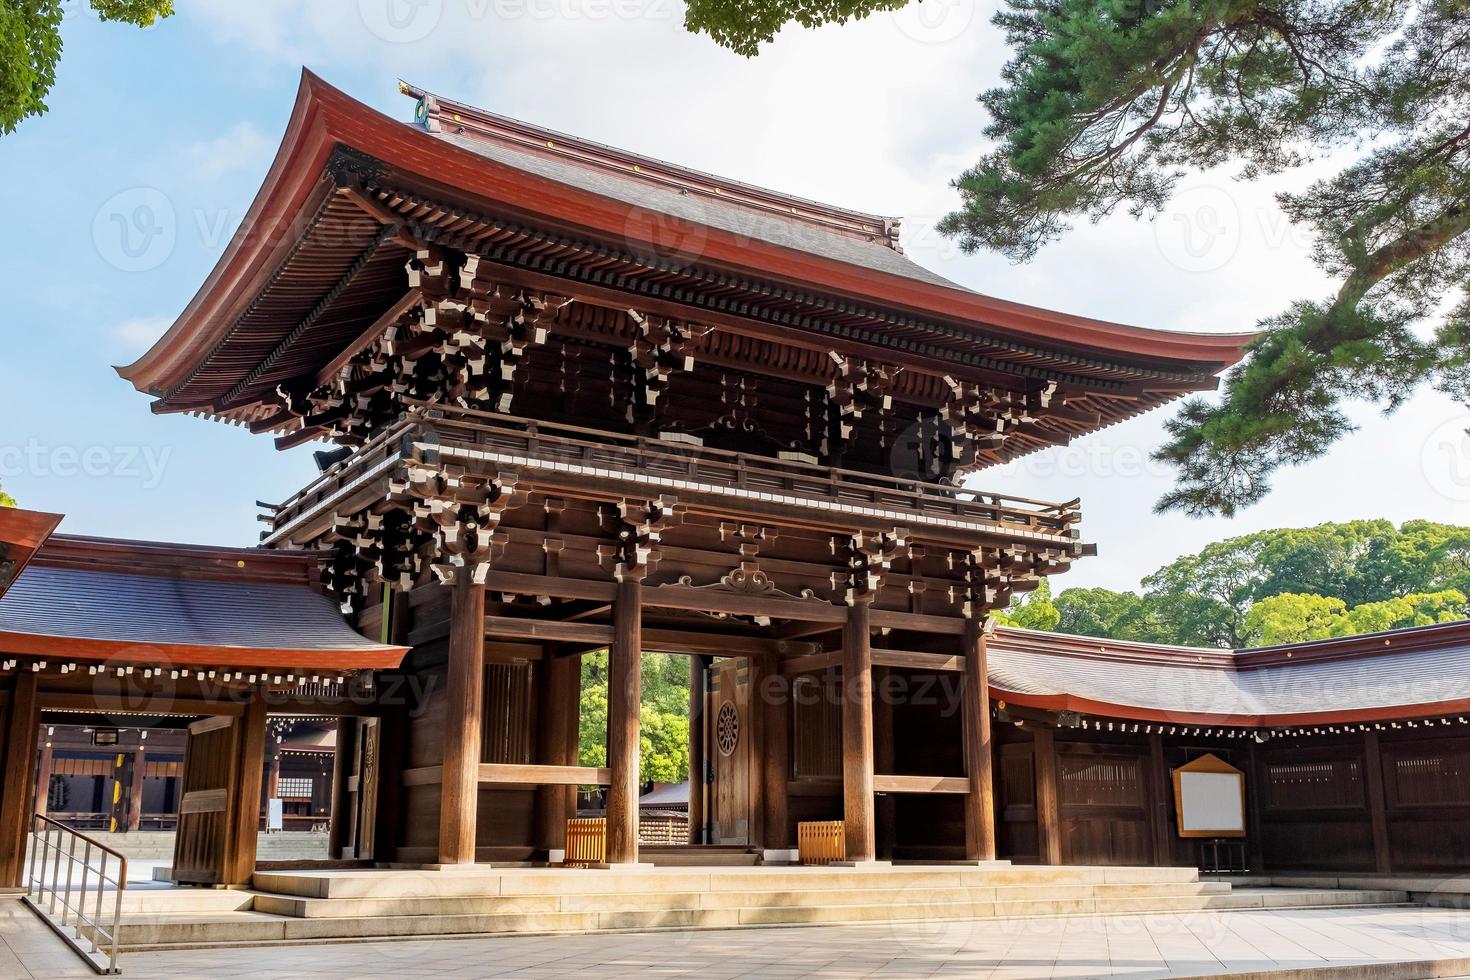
(644, 459)
(64, 884)
(821, 841)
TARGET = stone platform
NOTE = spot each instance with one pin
(328, 906)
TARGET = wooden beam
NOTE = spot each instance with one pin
(463, 705)
(1377, 806)
(1048, 815)
(552, 630)
(921, 784)
(857, 733)
(917, 661)
(624, 687)
(975, 695)
(812, 663)
(544, 775)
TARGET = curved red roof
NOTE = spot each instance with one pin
(829, 253)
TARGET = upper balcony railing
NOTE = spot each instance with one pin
(676, 467)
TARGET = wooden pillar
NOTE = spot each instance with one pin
(1160, 795)
(857, 733)
(1048, 815)
(980, 803)
(558, 684)
(43, 777)
(625, 692)
(137, 771)
(244, 819)
(339, 827)
(775, 708)
(698, 697)
(1377, 806)
(17, 786)
(464, 694)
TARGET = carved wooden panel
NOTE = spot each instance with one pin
(732, 797)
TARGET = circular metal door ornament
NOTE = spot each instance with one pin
(727, 728)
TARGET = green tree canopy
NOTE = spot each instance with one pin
(1288, 585)
(30, 47)
(663, 715)
(1105, 104)
(1033, 611)
(6, 500)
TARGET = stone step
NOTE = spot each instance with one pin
(489, 881)
(645, 900)
(537, 915)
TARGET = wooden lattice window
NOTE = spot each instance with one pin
(294, 788)
(816, 728)
(1314, 785)
(1424, 775)
(1092, 780)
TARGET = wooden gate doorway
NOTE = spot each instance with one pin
(219, 807)
(733, 793)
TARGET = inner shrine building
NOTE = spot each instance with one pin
(578, 399)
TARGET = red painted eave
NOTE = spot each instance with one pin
(22, 534)
(324, 117)
(120, 653)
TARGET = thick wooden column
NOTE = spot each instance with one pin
(774, 703)
(1377, 805)
(857, 733)
(339, 827)
(624, 694)
(17, 786)
(244, 819)
(1048, 811)
(1256, 829)
(43, 777)
(698, 697)
(464, 693)
(559, 685)
(137, 768)
(980, 803)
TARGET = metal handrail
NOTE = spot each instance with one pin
(65, 906)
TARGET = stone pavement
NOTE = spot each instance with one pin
(1184, 944)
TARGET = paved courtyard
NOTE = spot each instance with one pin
(1160, 945)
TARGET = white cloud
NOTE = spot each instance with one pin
(137, 334)
(877, 115)
(241, 147)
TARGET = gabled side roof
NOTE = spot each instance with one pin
(98, 600)
(1404, 673)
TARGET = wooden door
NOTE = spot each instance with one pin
(730, 741)
(210, 796)
(362, 791)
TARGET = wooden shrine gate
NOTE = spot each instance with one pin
(219, 808)
(732, 801)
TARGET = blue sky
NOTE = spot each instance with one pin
(183, 119)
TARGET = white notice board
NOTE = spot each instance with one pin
(1209, 799)
(1213, 802)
